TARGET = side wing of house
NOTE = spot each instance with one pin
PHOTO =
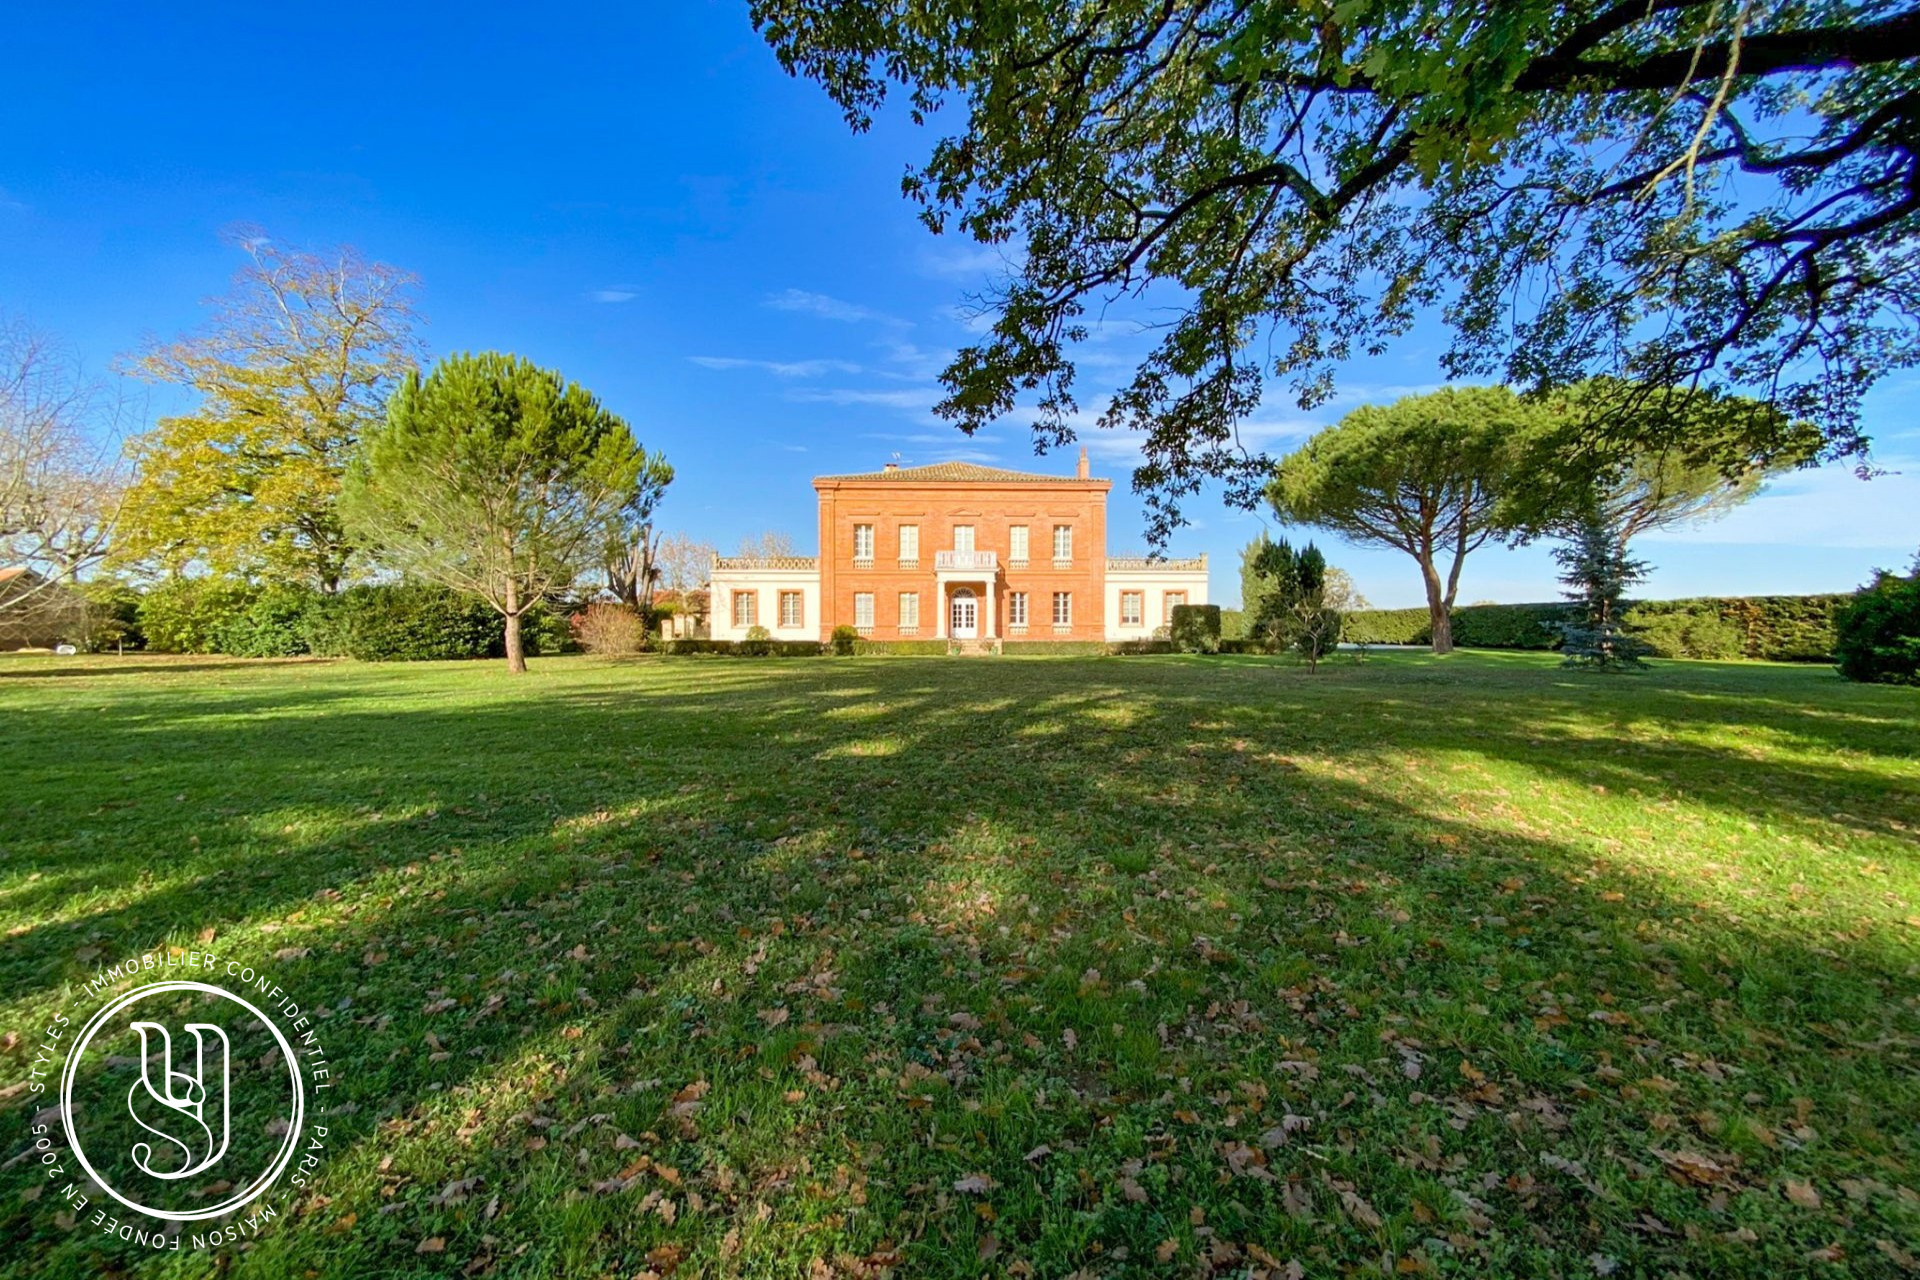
(780, 593)
(1142, 593)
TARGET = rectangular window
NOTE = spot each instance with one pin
(1017, 544)
(863, 543)
(863, 610)
(792, 611)
(1133, 607)
(1016, 608)
(1174, 600)
(963, 539)
(909, 610)
(746, 608)
(909, 545)
(1063, 608)
(1063, 544)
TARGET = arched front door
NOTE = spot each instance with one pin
(965, 619)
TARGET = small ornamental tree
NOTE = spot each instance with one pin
(499, 479)
(1597, 573)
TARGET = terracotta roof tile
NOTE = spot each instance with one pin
(956, 473)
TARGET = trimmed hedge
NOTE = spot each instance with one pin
(384, 622)
(1772, 628)
(747, 648)
(904, 648)
(1057, 648)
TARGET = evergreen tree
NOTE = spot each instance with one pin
(1597, 572)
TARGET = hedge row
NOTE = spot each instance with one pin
(1774, 628)
(392, 622)
(747, 648)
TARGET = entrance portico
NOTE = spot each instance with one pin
(967, 583)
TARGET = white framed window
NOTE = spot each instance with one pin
(792, 609)
(1017, 544)
(863, 543)
(963, 539)
(1174, 600)
(909, 610)
(863, 610)
(909, 544)
(1133, 608)
(746, 608)
(1063, 608)
(1063, 544)
(1016, 608)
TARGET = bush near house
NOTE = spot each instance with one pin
(845, 641)
(1195, 628)
(1772, 628)
(608, 630)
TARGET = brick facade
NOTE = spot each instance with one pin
(935, 500)
(868, 578)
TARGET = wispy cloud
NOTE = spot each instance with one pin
(1830, 507)
(904, 398)
(829, 308)
(9, 201)
(613, 295)
(778, 368)
(960, 261)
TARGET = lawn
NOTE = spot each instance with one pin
(1033, 967)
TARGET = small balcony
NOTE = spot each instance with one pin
(974, 561)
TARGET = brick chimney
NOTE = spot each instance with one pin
(1084, 472)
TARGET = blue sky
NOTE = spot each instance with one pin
(637, 196)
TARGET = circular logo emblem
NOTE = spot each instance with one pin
(182, 1101)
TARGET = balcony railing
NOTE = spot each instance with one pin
(985, 561)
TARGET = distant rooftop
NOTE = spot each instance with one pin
(955, 473)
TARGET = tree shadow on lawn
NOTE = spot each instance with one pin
(936, 898)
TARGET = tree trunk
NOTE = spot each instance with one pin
(1439, 615)
(516, 648)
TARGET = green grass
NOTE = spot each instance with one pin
(1470, 966)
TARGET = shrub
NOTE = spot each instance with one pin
(1878, 633)
(543, 630)
(279, 622)
(1135, 648)
(609, 630)
(416, 622)
(1196, 628)
(189, 615)
(112, 618)
(845, 641)
(1696, 632)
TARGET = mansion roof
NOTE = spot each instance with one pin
(954, 473)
